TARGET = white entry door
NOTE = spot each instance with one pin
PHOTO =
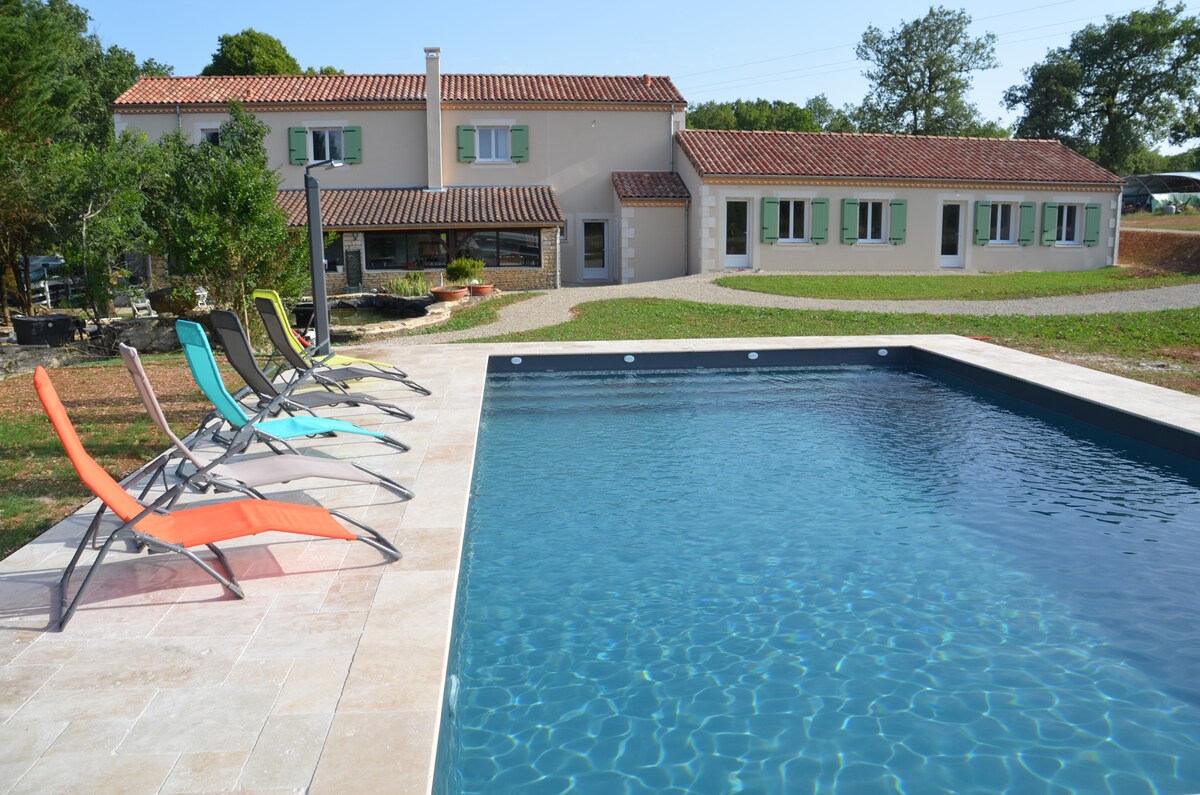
(595, 250)
(737, 233)
(951, 240)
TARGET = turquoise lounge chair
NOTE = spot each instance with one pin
(204, 370)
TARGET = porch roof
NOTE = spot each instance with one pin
(632, 186)
(364, 208)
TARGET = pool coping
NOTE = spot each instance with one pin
(387, 627)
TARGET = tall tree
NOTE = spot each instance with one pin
(921, 73)
(1116, 87)
(756, 114)
(251, 53)
(214, 213)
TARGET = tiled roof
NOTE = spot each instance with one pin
(858, 155)
(649, 185)
(347, 208)
(284, 89)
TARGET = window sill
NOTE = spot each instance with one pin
(804, 242)
(507, 163)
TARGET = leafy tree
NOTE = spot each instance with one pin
(101, 216)
(829, 118)
(251, 53)
(214, 214)
(324, 70)
(1116, 87)
(921, 73)
(744, 114)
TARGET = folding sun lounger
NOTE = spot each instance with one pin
(227, 472)
(330, 369)
(204, 370)
(176, 531)
(241, 356)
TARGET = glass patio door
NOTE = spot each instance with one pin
(737, 233)
(595, 250)
(951, 241)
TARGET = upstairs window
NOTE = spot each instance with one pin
(327, 144)
(314, 144)
(211, 135)
(493, 143)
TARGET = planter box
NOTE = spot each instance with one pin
(44, 329)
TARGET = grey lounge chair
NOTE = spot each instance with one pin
(233, 339)
(280, 335)
(224, 472)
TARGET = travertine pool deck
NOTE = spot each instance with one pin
(328, 677)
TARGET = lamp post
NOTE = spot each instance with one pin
(316, 251)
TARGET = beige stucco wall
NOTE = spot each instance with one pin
(575, 152)
(393, 142)
(921, 249)
(653, 242)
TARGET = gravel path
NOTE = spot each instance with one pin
(555, 307)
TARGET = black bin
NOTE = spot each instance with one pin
(303, 313)
(44, 329)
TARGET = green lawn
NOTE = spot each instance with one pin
(956, 286)
(480, 314)
(1172, 336)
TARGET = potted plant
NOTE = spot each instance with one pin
(467, 271)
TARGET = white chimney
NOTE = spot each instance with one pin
(433, 116)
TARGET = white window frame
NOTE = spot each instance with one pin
(205, 132)
(995, 215)
(493, 131)
(805, 220)
(1060, 227)
(883, 221)
(312, 142)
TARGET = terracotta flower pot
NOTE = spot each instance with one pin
(480, 289)
(448, 293)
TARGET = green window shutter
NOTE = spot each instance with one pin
(520, 142)
(770, 219)
(850, 221)
(1028, 217)
(819, 234)
(297, 146)
(983, 219)
(466, 143)
(352, 144)
(898, 224)
(1091, 225)
(1049, 223)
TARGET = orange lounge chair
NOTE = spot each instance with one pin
(176, 530)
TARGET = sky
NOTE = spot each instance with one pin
(787, 49)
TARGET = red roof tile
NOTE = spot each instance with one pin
(284, 89)
(649, 185)
(348, 208)
(858, 155)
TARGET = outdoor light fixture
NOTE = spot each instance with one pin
(316, 251)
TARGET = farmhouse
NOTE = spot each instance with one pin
(577, 179)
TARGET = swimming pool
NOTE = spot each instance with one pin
(829, 579)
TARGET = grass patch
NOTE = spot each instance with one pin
(480, 314)
(1116, 341)
(1188, 220)
(38, 486)
(957, 286)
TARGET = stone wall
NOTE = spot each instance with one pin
(1173, 251)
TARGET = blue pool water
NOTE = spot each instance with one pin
(848, 580)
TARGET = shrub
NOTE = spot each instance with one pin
(464, 270)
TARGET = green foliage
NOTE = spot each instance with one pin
(324, 70)
(251, 53)
(213, 213)
(37, 93)
(921, 73)
(410, 284)
(757, 114)
(1117, 87)
(463, 270)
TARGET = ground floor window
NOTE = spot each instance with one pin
(1000, 227)
(1068, 227)
(791, 221)
(419, 250)
(870, 222)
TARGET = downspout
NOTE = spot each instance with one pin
(687, 229)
